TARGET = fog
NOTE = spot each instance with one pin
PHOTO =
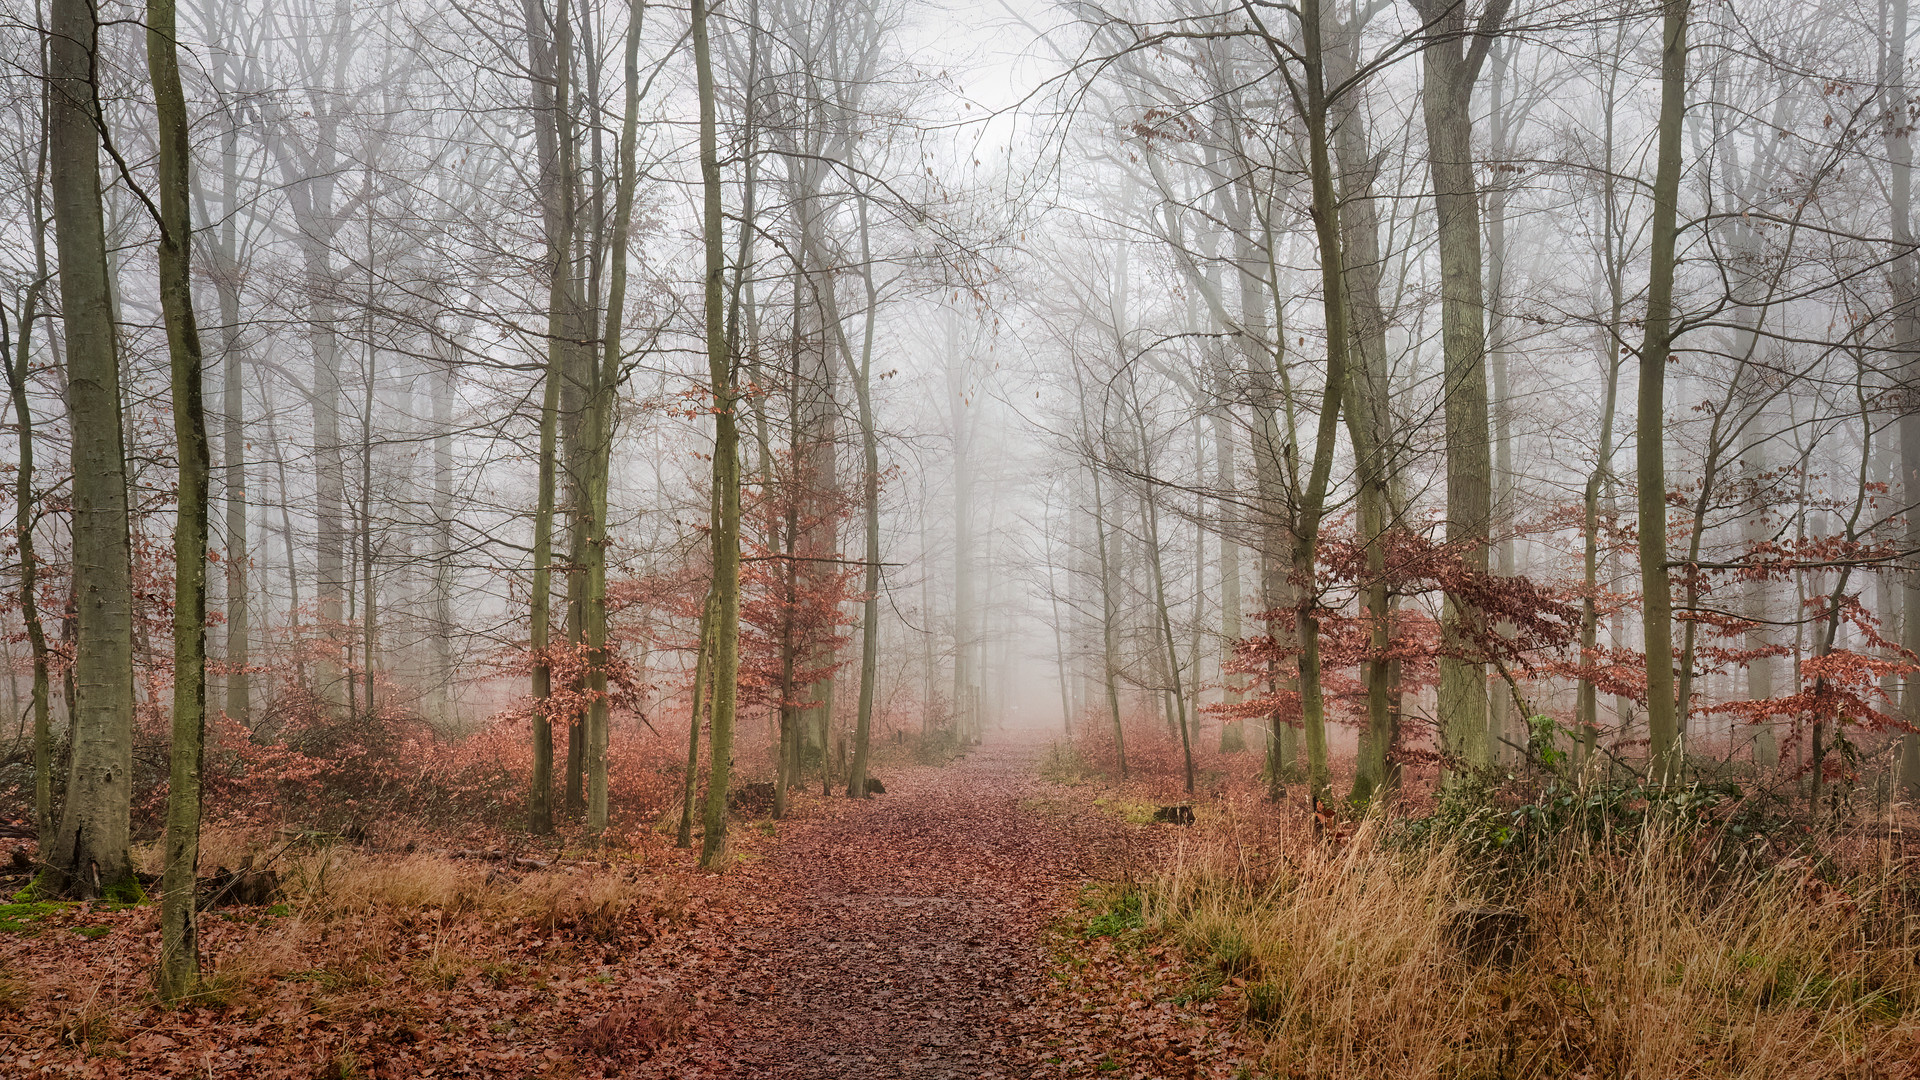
(1238, 374)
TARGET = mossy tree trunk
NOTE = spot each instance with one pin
(1904, 284)
(726, 454)
(550, 64)
(1665, 750)
(599, 435)
(89, 856)
(1454, 55)
(179, 968)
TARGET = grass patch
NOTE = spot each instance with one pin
(1132, 811)
(337, 978)
(1115, 912)
(1643, 958)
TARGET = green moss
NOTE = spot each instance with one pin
(125, 891)
(119, 896)
(93, 933)
(18, 918)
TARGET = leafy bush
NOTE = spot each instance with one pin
(1509, 823)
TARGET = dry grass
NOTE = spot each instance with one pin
(1639, 963)
(421, 890)
(355, 921)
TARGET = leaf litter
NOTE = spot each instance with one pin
(938, 932)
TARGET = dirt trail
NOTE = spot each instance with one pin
(904, 937)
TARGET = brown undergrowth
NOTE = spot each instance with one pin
(391, 961)
(1638, 956)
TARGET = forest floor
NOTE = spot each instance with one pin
(940, 932)
(959, 926)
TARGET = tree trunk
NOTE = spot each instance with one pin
(1151, 515)
(1508, 730)
(1233, 737)
(179, 967)
(369, 578)
(89, 856)
(701, 693)
(1368, 416)
(963, 600)
(1665, 750)
(792, 737)
(577, 374)
(1598, 496)
(443, 701)
(25, 501)
(1587, 697)
(1108, 615)
(599, 437)
(1453, 59)
(1314, 109)
(540, 798)
(870, 498)
(236, 647)
(726, 459)
(1905, 287)
(550, 67)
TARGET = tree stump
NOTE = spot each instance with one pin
(1489, 935)
(249, 886)
(753, 799)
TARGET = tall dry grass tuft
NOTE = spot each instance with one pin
(1634, 961)
(337, 884)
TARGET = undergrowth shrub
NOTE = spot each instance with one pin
(936, 746)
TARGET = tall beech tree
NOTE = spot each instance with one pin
(89, 856)
(726, 454)
(550, 68)
(1904, 285)
(1663, 726)
(179, 968)
(1454, 54)
(604, 389)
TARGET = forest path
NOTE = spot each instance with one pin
(904, 936)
